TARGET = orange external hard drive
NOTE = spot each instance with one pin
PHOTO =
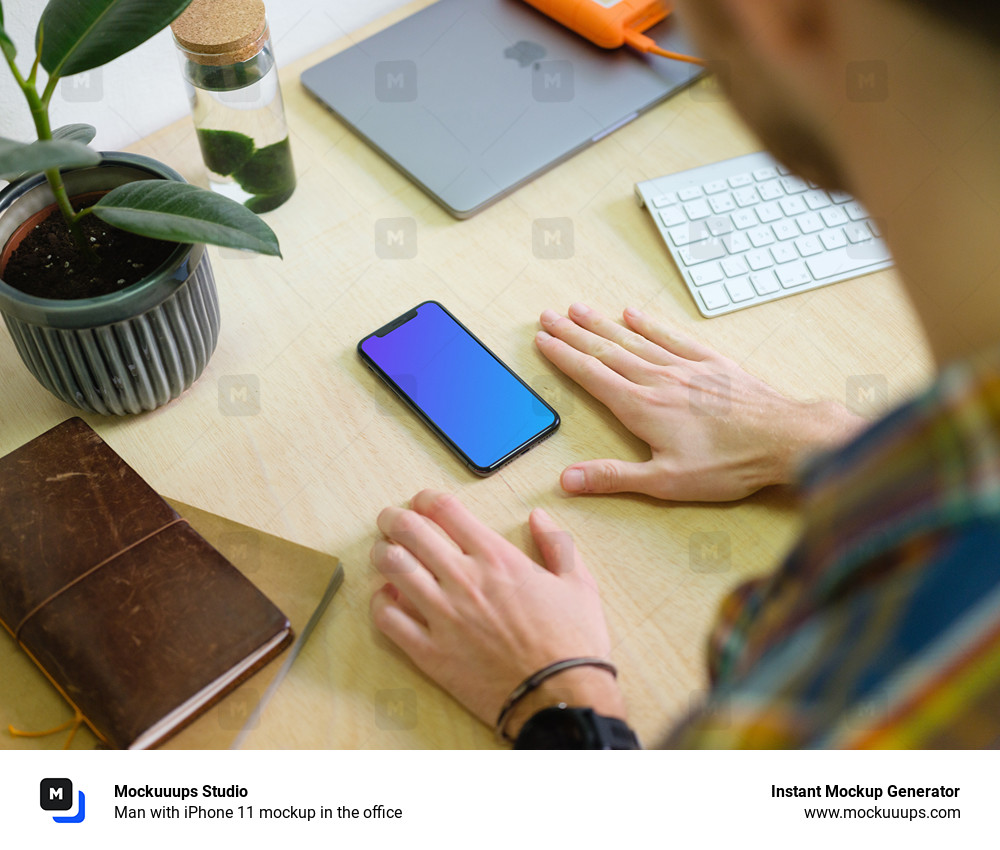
(604, 22)
(612, 23)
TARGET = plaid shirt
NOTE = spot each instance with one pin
(882, 628)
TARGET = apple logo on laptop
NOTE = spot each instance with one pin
(525, 52)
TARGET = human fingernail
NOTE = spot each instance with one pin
(573, 480)
(549, 316)
(541, 336)
(633, 313)
(579, 309)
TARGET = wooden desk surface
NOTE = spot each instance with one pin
(330, 446)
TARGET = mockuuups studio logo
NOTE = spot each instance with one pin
(867, 82)
(396, 238)
(710, 551)
(867, 395)
(396, 82)
(239, 395)
(87, 87)
(56, 795)
(396, 709)
(552, 82)
(552, 238)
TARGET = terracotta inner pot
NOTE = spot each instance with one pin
(29, 224)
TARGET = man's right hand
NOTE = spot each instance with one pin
(716, 432)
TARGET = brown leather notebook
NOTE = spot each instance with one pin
(136, 620)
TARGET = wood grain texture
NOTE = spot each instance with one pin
(330, 446)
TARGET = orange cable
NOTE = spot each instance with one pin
(645, 44)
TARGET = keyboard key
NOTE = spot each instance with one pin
(702, 252)
(697, 209)
(722, 204)
(794, 185)
(809, 223)
(784, 253)
(734, 266)
(714, 296)
(793, 274)
(666, 200)
(808, 245)
(672, 216)
(833, 239)
(736, 243)
(771, 191)
(761, 237)
(758, 232)
(765, 283)
(786, 230)
(758, 260)
(739, 289)
(834, 217)
(720, 226)
(793, 205)
(845, 260)
(817, 199)
(874, 227)
(707, 273)
(857, 233)
(855, 211)
(687, 233)
(873, 250)
(768, 213)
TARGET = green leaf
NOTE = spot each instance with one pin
(6, 45)
(180, 212)
(18, 159)
(82, 133)
(268, 171)
(83, 34)
(266, 203)
(224, 150)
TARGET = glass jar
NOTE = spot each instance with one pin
(228, 66)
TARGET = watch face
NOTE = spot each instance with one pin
(565, 728)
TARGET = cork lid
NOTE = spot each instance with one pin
(221, 32)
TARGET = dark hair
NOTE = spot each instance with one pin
(980, 17)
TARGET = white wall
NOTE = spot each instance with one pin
(142, 91)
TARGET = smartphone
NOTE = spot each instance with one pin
(481, 410)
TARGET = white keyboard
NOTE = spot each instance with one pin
(746, 230)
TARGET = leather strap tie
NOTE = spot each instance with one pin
(90, 572)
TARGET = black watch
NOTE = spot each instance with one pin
(564, 728)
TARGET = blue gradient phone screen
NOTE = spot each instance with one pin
(459, 385)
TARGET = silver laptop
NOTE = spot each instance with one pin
(473, 98)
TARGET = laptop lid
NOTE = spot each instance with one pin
(473, 98)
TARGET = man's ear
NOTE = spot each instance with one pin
(788, 30)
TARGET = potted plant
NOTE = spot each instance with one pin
(105, 284)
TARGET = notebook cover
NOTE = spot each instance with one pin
(126, 609)
(293, 576)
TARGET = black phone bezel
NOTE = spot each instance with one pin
(482, 471)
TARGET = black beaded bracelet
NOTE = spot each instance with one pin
(536, 679)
